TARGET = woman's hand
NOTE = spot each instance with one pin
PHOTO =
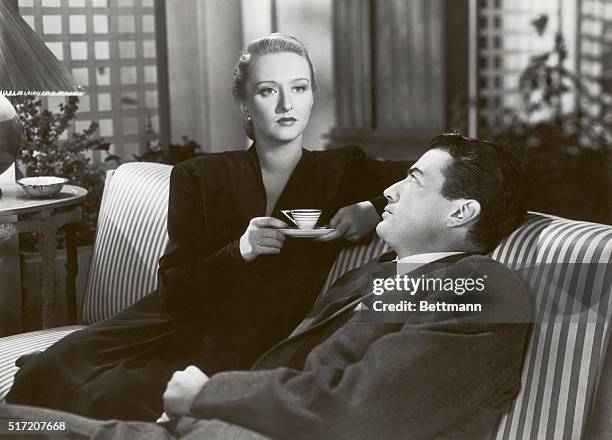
(182, 390)
(261, 237)
(352, 222)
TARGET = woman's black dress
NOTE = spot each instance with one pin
(211, 308)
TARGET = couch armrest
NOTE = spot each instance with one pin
(600, 421)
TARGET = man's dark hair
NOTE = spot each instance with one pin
(485, 172)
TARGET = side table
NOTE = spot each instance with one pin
(45, 222)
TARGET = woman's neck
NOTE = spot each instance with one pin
(279, 156)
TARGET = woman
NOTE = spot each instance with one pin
(231, 284)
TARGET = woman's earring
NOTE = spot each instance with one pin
(247, 122)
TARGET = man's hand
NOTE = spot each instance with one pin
(352, 222)
(182, 390)
(261, 237)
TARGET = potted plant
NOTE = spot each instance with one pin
(43, 153)
(566, 150)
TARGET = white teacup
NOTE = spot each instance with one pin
(303, 218)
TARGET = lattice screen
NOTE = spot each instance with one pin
(595, 59)
(507, 39)
(110, 47)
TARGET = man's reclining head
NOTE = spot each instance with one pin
(462, 195)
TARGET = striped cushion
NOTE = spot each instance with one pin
(17, 345)
(565, 355)
(130, 239)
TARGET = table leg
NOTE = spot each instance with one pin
(46, 224)
(72, 270)
(47, 245)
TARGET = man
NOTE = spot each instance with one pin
(396, 349)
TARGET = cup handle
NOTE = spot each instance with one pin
(287, 213)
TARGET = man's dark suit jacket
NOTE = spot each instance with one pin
(340, 376)
(435, 375)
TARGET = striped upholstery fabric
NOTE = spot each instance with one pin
(565, 354)
(14, 346)
(130, 239)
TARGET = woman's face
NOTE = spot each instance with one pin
(279, 96)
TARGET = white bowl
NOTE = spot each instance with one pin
(42, 186)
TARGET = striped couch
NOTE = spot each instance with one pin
(565, 263)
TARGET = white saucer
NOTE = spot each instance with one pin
(305, 233)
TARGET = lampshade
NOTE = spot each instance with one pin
(27, 67)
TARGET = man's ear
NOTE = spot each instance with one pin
(467, 211)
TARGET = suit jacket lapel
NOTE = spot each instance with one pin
(356, 285)
(351, 286)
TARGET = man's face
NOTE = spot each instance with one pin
(417, 215)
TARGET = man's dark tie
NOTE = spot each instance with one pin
(354, 284)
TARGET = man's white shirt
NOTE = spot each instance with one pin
(412, 262)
